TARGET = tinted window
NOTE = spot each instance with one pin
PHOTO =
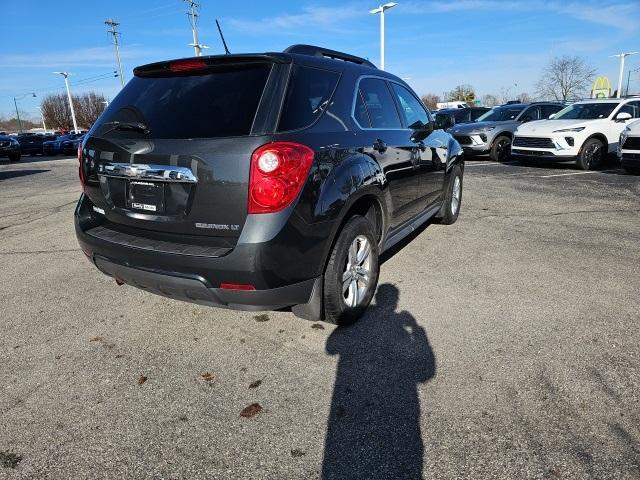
(219, 104)
(475, 113)
(547, 110)
(379, 102)
(308, 94)
(360, 112)
(462, 116)
(500, 114)
(631, 108)
(414, 113)
(531, 113)
(586, 111)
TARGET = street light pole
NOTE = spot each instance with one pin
(44, 125)
(622, 56)
(15, 103)
(381, 9)
(73, 113)
(629, 78)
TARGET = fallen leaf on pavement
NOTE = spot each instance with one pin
(251, 410)
(255, 384)
(142, 379)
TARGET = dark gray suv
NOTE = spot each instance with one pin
(262, 181)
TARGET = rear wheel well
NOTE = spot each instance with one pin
(369, 208)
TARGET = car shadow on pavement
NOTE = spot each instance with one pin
(373, 430)
(7, 174)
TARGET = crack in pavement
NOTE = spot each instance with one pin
(51, 211)
(35, 252)
(555, 214)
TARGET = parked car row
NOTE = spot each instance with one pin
(584, 132)
(14, 146)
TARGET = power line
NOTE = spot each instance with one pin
(112, 24)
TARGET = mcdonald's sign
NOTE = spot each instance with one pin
(601, 88)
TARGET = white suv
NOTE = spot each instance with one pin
(585, 131)
(629, 148)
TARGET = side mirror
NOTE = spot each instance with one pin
(552, 116)
(623, 116)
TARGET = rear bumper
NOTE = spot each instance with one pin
(283, 272)
(195, 289)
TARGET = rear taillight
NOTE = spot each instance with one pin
(80, 166)
(278, 172)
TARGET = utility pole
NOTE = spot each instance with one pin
(15, 103)
(112, 24)
(73, 113)
(193, 19)
(622, 56)
(381, 9)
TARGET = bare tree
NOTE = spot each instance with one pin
(505, 94)
(55, 109)
(524, 97)
(462, 93)
(431, 100)
(88, 107)
(489, 100)
(565, 78)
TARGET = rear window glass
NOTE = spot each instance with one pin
(219, 104)
(308, 95)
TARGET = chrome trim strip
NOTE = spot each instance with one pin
(139, 171)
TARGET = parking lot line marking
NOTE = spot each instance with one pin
(566, 174)
(488, 163)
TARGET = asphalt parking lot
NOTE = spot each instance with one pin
(504, 346)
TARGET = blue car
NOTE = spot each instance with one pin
(55, 146)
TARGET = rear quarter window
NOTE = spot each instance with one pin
(222, 103)
(308, 95)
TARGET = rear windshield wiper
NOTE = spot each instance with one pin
(133, 126)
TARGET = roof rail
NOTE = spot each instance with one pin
(325, 52)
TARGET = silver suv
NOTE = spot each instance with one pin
(492, 132)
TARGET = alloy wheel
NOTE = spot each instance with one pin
(357, 273)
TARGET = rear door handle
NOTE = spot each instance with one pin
(380, 146)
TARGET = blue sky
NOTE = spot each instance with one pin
(493, 45)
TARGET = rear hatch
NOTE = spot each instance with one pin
(171, 153)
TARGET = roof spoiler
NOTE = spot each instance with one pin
(325, 52)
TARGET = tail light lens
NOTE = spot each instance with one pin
(81, 167)
(278, 172)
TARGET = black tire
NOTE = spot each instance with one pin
(336, 307)
(591, 154)
(501, 149)
(14, 158)
(449, 210)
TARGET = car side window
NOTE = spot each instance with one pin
(379, 102)
(531, 113)
(547, 110)
(632, 108)
(360, 112)
(476, 113)
(415, 115)
(463, 116)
